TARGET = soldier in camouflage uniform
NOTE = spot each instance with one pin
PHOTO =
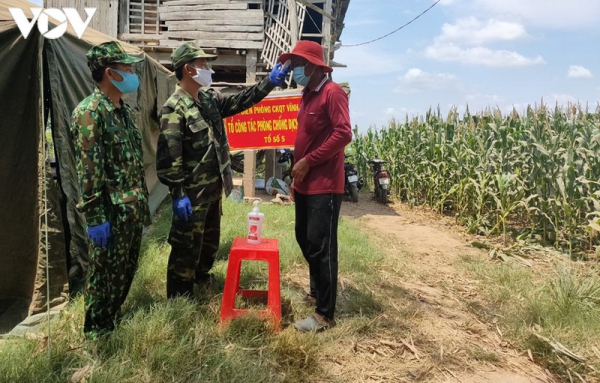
(113, 194)
(192, 159)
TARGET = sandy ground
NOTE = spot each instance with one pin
(446, 341)
(439, 293)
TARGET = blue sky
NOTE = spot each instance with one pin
(478, 53)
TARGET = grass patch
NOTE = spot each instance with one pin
(179, 341)
(562, 305)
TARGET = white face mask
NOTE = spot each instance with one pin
(203, 76)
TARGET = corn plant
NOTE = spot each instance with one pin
(537, 172)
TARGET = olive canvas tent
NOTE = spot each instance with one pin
(41, 81)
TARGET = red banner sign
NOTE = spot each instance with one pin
(272, 123)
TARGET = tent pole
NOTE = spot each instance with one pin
(45, 187)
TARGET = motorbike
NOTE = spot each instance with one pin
(353, 182)
(381, 180)
(286, 160)
(352, 185)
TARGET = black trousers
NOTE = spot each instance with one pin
(316, 232)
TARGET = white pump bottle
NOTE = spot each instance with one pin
(255, 222)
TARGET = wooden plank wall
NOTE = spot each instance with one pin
(234, 24)
(105, 19)
(284, 20)
(142, 16)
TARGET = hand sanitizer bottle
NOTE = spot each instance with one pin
(255, 222)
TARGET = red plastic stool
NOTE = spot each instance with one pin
(241, 250)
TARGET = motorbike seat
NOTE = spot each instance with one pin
(285, 157)
(376, 161)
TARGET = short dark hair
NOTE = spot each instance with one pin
(179, 71)
(98, 74)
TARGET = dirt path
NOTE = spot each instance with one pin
(449, 343)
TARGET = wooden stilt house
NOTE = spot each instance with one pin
(248, 35)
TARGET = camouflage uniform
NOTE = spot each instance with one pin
(111, 179)
(192, 158)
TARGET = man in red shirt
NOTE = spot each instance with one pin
(323, 132)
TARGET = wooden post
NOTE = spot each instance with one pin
(123, 17)
(327, 22)
(294, 33)
(250, 155)
(251, 59)
(270, 164)
(249, 173)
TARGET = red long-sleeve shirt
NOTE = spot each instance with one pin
(323, 132)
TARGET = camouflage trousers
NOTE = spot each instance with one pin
(194, 245)
(110, 274)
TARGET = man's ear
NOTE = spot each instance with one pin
(113, 75)
(190, 70)
(109, 74)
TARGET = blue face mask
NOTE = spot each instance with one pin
(299, 76)
(130, 82)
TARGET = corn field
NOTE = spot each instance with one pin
(535, 176)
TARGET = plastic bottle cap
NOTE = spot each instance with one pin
(255, 210)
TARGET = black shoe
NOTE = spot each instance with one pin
(179, 288)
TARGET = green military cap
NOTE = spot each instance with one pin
(186, 52)
(109, 52)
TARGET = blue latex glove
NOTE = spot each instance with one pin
(278, 74)
(182, 208)
(99, 234)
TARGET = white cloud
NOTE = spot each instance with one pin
(519, 107)
(549, 13)
(479, 56)
(417, 75)
(560, 99)
(447, 2)
(401, 113)
(577, 71)
(549, 100)
(366, 61)
(483, 99)
(416, 80)
(450, 44)
(397, 112)
(480, 101)
(472, 31)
